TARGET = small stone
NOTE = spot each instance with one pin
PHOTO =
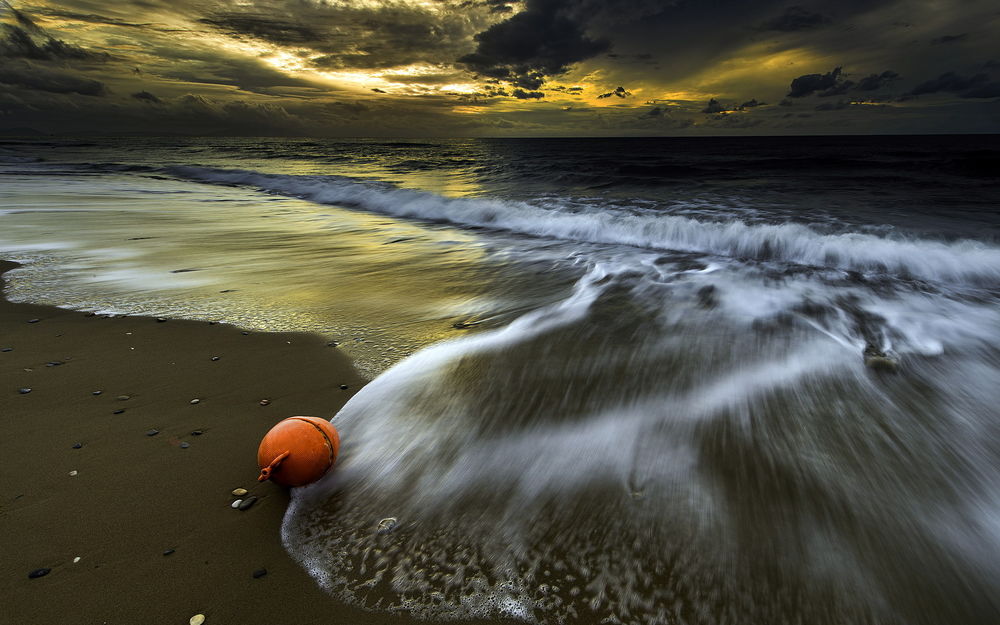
(54, 363)
(39, 573)
(76, 559)
(259, 573)
(73, 473)
(152, 432)
(883, 364)
(123, 397)
(33, 320)
(239, 492)
(386, 525)
(236, 504)
(24, 391)
(197, 619)
(212, 323)
(195, 401)
(185, 445)
(214, 358)
(332, 344)
(97, 392)
(160, 320)
(78, 446)
(168, 552)
(119, 411)
(344, 387)
(196, 432)
(244, 333)
(247, 503)
(7, 349)
(264, 402)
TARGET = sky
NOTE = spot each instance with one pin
(436, 68)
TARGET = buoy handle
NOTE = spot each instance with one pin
(266, 472)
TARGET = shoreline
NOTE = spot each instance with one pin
(149, 516)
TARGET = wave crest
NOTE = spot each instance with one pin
(961, 261)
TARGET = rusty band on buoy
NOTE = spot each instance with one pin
(329, 443)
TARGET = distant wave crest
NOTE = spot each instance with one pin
(961, 261)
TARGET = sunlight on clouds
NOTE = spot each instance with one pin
(757, 63)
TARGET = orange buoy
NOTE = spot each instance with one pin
(298, 451)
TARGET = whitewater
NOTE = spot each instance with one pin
(611, 381)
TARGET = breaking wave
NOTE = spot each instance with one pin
(962, 261)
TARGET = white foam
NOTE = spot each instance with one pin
(926, 259)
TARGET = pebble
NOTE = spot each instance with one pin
(236, 504)
(78, 446)
(196, 432)
(72, 473)
(7, 349)
(259, 573)
(54, 363)
(264, 402)
(247, 503)
(214, 358)
(882, 363)
(185, 445)
(123, 397)
(24, 391)
(39, 573)
(195, 401)
(119, 411)
(33, 320)
(344, 387)
(197, 619)
(160, 320)
(239, 492)
(244, 333)
(97, 392)
(332, 344)
(168, 552)
(76, 559)
(152, 432)
(386, 525)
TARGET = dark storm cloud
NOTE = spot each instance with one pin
(543, 40)
(348, 36)
(809, 84)
(796, 18)
(521, 94)
(266, 27)
(16, 42)
(876, 81)
(90, 18)
(951, 82)
(41, 79)
(713, 107)
(619, 92)
(145, 96)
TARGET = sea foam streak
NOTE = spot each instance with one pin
(964, 261)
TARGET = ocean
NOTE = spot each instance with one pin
(651, 381)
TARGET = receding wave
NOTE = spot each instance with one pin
(964, 260)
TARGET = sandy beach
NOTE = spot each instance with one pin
(149, 517)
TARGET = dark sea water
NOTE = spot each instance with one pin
(615, 381)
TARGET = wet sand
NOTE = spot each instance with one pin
(136, 496)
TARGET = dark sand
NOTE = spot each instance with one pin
(136, 496)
